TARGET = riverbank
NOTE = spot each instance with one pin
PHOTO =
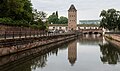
(23, 45)
(113, 39)
(10, 61)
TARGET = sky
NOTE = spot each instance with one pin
(86, 9)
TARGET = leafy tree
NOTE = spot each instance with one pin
(38, 19)
(118, 23)
(57, 13)
(27, 13)
(63, 20)
(109, 19)
(20, 13)
(53, 19)
(16, 9)
(39, 15)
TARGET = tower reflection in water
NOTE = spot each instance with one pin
(72, 52)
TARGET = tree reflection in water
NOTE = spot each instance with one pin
(33, 61)
(110, 54)
(40, 61)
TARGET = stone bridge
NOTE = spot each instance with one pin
(91, 31)
(81, 28)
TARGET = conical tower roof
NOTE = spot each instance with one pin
(72, 61)
(72, 8)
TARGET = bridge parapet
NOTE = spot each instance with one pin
(92, 31)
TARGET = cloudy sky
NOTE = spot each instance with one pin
(87, 9)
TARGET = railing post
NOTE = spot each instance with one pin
(20, 33)
(34, 33)
(30, 34)
(37, 33)
(13, 34)
(43, 33)
(5, 35)
(25, 34)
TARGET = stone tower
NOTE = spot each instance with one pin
(72, 18)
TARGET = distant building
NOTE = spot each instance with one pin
(89, 21)
(54, 27)
(72, 23)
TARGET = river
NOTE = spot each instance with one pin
(87, 53)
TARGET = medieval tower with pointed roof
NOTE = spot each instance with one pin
(72, 18)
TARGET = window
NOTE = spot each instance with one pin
(60, 27)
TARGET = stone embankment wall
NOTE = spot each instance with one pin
(18, 45)
(10, 61)
(113, 39)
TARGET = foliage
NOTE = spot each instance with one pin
(20, 13)
(6, 20)
(63, 20)
(55, 20)
(39, 15)
(16, 9)
(39, 19)
(110, 19)
(10, 22)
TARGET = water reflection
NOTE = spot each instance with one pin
(90, 39)
(30, 62)
(110, 54)
(72, 52)
(85, 53)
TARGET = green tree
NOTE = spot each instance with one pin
(118, 26)
(39, 15)
(53, 19)
(57, 13)
(63, 20)
(20, 13)
(109, 19)
(27, 13)
(38, 19)
(16, 9)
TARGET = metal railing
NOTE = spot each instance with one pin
(28, 34)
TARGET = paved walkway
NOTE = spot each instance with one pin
(52, 34)
(116, 40)
(114, 36)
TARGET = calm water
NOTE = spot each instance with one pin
(88, 53)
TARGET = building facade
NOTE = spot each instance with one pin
(72, 18)
(72, 23)
(89, 21)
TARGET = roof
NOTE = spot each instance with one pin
(72, 61)
(88, 25)
(72, 8)
(89, 20)
(80, 25)
(58, 24)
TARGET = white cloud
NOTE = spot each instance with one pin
(87, 9)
